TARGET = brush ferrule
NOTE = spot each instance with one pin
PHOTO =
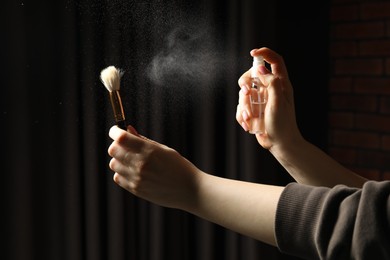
(117, 107)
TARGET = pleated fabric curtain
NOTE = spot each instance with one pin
(59, 198)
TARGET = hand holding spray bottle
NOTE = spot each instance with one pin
(258, 98)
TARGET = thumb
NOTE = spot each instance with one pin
(132, 130)
(274, 89)
(266, 75)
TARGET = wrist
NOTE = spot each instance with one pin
(191, 201)
(284, 150)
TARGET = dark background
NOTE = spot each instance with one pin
(58, 197)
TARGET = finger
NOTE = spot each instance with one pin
(132, 130)
(245, 80)
(275, 91)
(127, 174)
(265, 75)
(239, 114)
(124, 182)
(276, 61)
(245, 105)
(118, 179)
(119, 152)
(116, 133)
(240, 118)
(126, 139)
(117, 166)
(243, 112)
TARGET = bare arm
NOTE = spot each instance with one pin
(310, 165)
(244, 207)
(306, 163)
(162, 176)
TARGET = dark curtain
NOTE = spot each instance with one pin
(182, 60)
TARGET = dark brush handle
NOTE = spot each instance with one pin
(122, 125)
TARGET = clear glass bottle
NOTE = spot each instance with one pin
(258, 98)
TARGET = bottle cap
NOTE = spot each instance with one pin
(257, 61)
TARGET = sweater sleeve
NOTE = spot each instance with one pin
(334, 223)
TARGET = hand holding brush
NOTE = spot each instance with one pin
(110, 78)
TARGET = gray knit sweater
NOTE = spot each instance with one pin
(334, 223)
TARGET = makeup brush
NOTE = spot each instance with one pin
(110, 78)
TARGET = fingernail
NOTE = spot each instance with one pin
(263, 70)
(245, 89)
(245, 115)
(244, 126)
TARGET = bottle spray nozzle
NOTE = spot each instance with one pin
(257, 61)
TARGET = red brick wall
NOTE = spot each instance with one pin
(359, 101)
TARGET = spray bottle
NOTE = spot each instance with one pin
(258, 98)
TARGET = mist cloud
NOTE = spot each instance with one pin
(189, 56)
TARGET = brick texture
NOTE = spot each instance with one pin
(359, 86)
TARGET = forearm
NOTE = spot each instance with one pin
(243, 207)
(308, 164)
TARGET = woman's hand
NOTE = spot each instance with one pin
(152, 171)
(280, 121)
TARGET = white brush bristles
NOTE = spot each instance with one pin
(111, 77)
